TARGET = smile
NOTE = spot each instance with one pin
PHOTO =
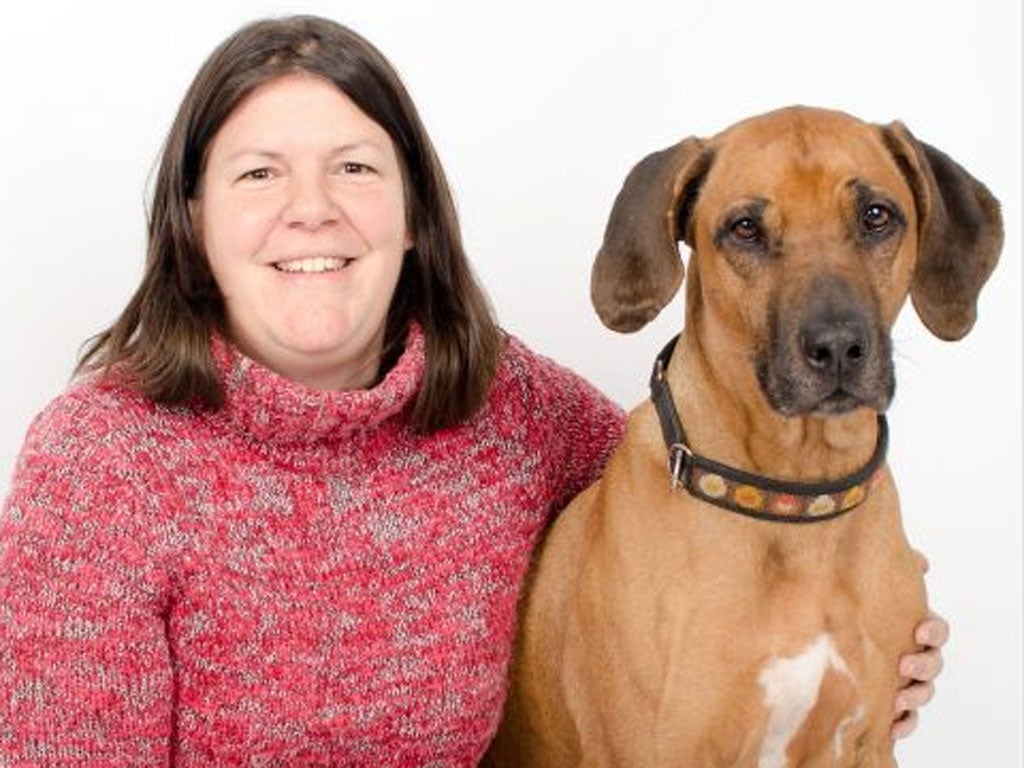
(313, 265)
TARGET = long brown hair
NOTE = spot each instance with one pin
(161, 341)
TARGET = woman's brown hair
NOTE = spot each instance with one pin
(161, 341)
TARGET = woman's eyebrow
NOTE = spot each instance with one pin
(275, 155)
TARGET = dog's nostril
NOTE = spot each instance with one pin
(834, 346)
(819, 356)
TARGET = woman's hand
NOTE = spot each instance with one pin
(922, 668)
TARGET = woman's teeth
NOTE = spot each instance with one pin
(316, 264)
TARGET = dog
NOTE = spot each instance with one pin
(737, 588)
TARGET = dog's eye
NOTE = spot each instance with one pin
(876, 218)
(746, 230)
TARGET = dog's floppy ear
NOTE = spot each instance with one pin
(638, 269)
(960, 234)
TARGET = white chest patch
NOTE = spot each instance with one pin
(791, 687)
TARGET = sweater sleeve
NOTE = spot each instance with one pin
(580, 427)
(85, 672)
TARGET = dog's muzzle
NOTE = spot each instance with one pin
(828, 352)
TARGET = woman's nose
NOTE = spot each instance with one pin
(310, 203)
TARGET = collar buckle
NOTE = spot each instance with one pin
(680, 459)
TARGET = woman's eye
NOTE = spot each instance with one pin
(746, 230)
(356, 168)
(257, 174)
(876, 218)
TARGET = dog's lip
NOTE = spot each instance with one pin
(838, 401)
(835, 403)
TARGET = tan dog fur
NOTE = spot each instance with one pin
(652, 620)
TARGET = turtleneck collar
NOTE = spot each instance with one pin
(274, 409)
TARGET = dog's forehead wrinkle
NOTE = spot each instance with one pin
(811, 200)
(861, 188)
(806, 159)
(749, 205)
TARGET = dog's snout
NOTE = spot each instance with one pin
(835, 345)
(829, 352)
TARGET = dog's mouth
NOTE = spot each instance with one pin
(792, 390)
(838, 402)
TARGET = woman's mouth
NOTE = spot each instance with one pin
(313, 265)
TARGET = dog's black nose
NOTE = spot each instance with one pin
(835, 346)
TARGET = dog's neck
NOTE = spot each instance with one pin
(728, 419)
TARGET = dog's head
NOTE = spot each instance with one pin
(807, 228)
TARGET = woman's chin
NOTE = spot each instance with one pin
(329, 362)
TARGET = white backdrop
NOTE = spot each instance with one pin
(538, 110)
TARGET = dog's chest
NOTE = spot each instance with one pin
(812, 707)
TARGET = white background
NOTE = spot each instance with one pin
(538, 110)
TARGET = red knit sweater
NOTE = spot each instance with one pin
(295, 579)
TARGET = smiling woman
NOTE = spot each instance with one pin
(302, 211)
(284, 514)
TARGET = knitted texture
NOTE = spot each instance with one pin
(294, 579)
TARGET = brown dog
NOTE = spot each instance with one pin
(697, 626)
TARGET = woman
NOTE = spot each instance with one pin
(284, 513)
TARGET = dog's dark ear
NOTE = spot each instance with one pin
(960, 234)
(638, 269)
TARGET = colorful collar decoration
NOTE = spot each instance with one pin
(752, 495)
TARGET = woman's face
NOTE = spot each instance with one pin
(302, 214)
